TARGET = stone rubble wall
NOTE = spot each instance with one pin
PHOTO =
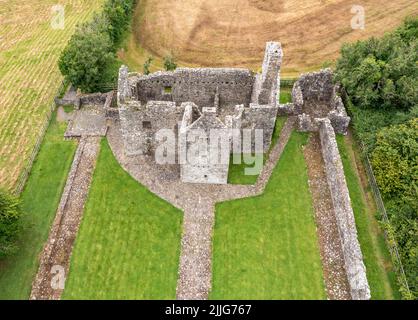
(270, 75)
(305, 123)
(58, 248)
(314, 96)
(297, 98)
(203, 169)
(64, 101)
(131, 129)
(124, 92)
(110, 105)
(317, 85)
(93, 99)
(199, 86)
(260, 117)
(353, 258)
(286, 110)
(140, 123)
(339, 118)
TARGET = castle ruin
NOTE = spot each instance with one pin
(199, 100)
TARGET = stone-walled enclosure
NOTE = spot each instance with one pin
(208, 98)
(314, 96)
(199, 99)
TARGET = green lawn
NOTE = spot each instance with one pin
(380, 273)
(40, 201)
(266, 247)
(236, 174)
(285, 95)
(128, 244)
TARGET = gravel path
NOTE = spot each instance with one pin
(335, 277)
(196, 251)
(57, 252)
(198, 203)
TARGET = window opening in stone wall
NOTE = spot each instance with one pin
(146, 125)
(168, 89)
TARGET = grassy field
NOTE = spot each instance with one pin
(234, 32)
(29, 76)
(40, 201)
(128, 244)
(266, 247)
(380, 273)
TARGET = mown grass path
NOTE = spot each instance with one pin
(379, 269)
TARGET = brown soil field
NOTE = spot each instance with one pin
(234, 32)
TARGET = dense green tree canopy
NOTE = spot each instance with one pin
(382, 73)
(87, 55)
(395, 159)
(381, 79)
(89, 60)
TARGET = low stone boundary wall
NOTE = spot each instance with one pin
(64, 101)
(93, 98)
(55, 258)
(353, 258)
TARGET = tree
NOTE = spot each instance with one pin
(87, 55)
(382, 73)
(169, 63)
(118, 14)
(395, 159)
(10, 214)
(395, 164)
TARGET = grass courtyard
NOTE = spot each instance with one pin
(128, 245)
(266, 247)
(40, 200)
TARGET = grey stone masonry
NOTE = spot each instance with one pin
(353, 259)
(269, 80)
(237, 98)
(204, 169)
(314, 96)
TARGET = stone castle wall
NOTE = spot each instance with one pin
(317, 85)
(198, 86)
(314, 96)
(260, 117)
(353, 258)
(210, 166)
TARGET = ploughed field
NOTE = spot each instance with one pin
(234, 32)
(29, 75)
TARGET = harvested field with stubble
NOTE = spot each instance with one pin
(234, 32)
(29, 75)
